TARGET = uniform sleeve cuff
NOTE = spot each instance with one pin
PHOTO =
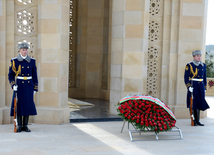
(12, 83)
(35, 88)
(188, 85)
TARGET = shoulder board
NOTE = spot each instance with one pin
(14, 58)
(33, 58)
(189, 62)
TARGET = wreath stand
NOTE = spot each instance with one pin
(162, 135)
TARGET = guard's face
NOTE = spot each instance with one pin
(197, 58)
(23, 51)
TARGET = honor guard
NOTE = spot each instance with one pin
(23, 79)
(196, 83)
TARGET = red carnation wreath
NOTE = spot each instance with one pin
(146, 113)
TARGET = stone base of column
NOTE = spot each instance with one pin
(56, 116)
(5, 115)
(183, 112)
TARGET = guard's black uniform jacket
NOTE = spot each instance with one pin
(26, 72)
(195, 76)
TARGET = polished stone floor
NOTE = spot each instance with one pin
(99, 111)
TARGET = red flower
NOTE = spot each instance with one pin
(123, 106)
(121, 111)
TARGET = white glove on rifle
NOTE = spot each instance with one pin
(15, 87)
(191, 89)
(34, 92)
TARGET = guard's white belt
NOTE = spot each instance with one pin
(24, 77)
(197, 79)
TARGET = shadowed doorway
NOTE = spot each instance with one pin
(89, 59)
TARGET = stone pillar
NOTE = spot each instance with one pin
(129, 46)
(192, 32)
(7, 52)
(169, 67)
(53, 45)
(2, 57)
(184, 30)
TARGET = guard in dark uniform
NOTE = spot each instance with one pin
(196, 82)
(23, 79)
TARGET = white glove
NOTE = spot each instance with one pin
(15, 87)
(191, 89)
(34, 92)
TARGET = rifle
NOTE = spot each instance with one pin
(15, 112)
(191, 114)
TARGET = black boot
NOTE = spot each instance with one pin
(198, 118)
(19, 120)
(25, 123)
(195, 117)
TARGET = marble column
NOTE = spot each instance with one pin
(2, 58)
(129, 46)
(53, 45)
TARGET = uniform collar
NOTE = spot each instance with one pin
(20, 58)
(198, 63)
